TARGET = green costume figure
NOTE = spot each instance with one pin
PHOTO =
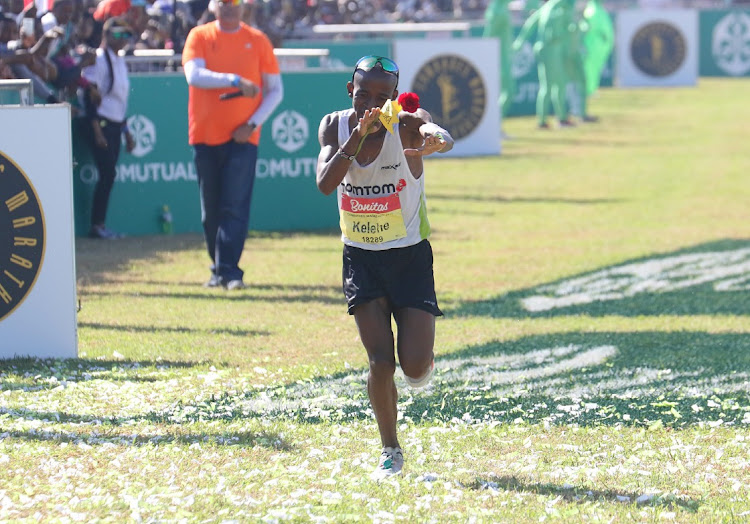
(550, 24)
(574, 65)
(598, 40)
(497, 24)
(530, 6)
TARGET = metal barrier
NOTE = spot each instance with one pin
(353, 30)
(24, 87)
(166, 60)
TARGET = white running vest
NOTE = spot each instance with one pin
(381, 205)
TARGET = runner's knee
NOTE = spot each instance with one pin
(382, 367)
(416, 367)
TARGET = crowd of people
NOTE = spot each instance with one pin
(28, 27)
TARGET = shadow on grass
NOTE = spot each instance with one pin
(647, 379)
(712, 278)
(168, 329)
(97, 259)
(581, 494)
(216, 296)
(650, 379)
(522, 200)
(303, 288)
(266, 439)
(32, 374)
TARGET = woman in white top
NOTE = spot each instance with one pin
(379, 178)
(109, 78)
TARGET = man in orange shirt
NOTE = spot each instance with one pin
(228, 57)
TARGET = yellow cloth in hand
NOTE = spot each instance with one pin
(389, 115)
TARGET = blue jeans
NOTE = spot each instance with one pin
(226, 174)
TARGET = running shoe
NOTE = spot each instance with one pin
(391, 462)
(104, 233)
(233, 285)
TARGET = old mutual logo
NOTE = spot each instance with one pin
(724, 271)
(290, 131)
(144, 135)
(730, 44)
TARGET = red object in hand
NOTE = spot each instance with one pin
(409, 101)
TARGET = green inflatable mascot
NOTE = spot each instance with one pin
(550, 25)
(497, 24)
(598, 41)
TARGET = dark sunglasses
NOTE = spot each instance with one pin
(120, 34)
(367, 63)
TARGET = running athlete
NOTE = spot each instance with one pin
(379, 179)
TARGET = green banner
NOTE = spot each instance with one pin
(724, 43)
(160, 171)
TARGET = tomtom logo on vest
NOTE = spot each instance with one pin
(385, 189)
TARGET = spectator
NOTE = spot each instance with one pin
(219, 56)
(107, 119)
(61, 15)
(26, 58)
(8, 28)
(133, 12)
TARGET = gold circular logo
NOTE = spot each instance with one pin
(22, 236)
(658, 49)
(453, 92)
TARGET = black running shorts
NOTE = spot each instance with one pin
(402, 275)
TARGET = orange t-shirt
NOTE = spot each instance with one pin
(246, 52)
(110, 8)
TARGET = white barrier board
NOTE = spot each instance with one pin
(37, 254)
(458, 84)
(656, 48)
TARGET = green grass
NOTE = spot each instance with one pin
(593, 362)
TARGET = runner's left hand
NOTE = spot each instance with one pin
(432, 144)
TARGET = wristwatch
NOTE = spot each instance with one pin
(342, 154)
(236, 81)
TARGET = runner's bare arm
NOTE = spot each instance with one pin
(334, 160)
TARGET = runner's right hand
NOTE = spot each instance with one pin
(369, 122)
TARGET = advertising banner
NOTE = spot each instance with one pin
(457, 84)
(725, 43)
(160, 175)
(37, 255)
(657, 47)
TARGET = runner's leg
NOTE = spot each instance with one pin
(374, 323)
(416, 340)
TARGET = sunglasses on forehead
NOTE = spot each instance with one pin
(368, 63)
(230, 2)
(120, 34)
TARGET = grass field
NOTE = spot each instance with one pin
(592, 364)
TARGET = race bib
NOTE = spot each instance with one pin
(372, 220)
